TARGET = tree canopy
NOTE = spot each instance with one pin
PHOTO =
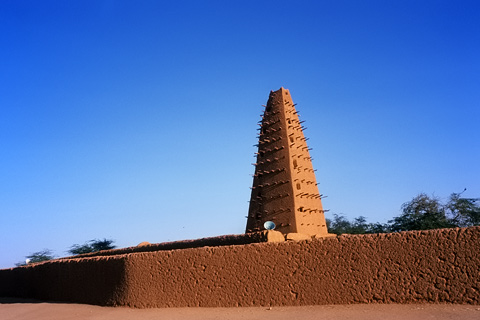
(423, 212)
(92, 246)
(340, 225)
(39, 256)
(463, 212)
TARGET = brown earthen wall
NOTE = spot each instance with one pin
(438, 266)
(98, 281)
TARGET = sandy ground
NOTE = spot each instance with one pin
(15, 309)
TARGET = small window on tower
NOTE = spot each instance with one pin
(298, 186)
(295, 165)
(291, 138)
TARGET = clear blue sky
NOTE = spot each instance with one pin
(135, 120)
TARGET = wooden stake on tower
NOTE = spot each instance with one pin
(284, 186)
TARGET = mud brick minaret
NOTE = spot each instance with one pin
(284, 186)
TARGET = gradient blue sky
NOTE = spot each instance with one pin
(135, 120)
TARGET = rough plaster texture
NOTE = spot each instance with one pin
(99, 280)
(284, 187)
(437, 266)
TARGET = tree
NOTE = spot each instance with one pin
(463, 212)
(340, 225)
(421, 213)
(359, 226)
(92, 246)
(38, 256)
(378, 227)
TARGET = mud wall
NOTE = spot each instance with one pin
(99, 281)
(438, 266)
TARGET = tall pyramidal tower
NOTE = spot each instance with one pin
(284, 186)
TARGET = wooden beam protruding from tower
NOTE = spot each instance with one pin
(284, 186)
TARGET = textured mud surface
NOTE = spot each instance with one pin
(438, 266)
(284, 186)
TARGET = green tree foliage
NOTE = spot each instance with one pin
(38, 256)
(378, 227)
(421, 213)
(359, 226)
(92, 246)
(463, 212)
(340, 225)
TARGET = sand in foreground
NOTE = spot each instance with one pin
(14, 309)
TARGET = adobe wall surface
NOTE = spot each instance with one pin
(99, 281)
(438, 266)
